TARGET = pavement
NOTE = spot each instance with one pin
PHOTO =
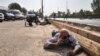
(18, 40)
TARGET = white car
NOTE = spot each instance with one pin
(1, 17)
(17, 14)
(31, 14)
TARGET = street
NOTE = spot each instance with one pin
(18, 40)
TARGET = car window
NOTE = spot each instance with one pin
(0, 14)
(30, 13)
(14, 12)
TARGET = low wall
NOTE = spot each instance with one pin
(90, 41)
(92, 27)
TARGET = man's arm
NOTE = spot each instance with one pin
(73, 41)
(59, 42)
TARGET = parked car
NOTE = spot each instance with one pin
(1, 17)
(9, 16)
(17, 14)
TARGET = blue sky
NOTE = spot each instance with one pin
(51, 5)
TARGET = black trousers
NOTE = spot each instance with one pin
(30, 23)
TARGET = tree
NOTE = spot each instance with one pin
(59, 14)
(75, 15)
(96, 7)
(23, 10)
(14, 6)
(63, 14)
(40, 13)
(81, 13)
(53, 15)
(68, 12)
(88, 14)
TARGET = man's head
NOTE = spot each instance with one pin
(64, 33)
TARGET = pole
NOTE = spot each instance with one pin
(66, 7)
(66, 10)
(42, 9)
(65, 13)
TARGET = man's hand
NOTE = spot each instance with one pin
(59, 42)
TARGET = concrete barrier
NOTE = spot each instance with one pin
(85, 33)
(90, 41)
(92, 27)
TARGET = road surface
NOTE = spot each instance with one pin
(18, 40)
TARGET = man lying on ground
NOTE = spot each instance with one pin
(61, 38)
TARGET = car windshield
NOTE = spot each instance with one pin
(14, 12)
(9, 13)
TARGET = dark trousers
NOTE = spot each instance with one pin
(30, 23)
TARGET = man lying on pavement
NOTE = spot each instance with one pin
(61, 38)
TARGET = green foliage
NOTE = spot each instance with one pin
(96, 7)
(81, 14)
(14, 6)
(24, 11)
(18, 7)
(68, 12)
(40, 13)
(53, 15)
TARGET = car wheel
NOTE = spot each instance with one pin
(1, 20)
(13, 19)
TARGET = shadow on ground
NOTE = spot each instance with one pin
(61, 50)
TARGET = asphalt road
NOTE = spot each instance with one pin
(18, 40)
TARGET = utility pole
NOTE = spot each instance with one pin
(66, 7)
(66, 10)
(42, 9)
